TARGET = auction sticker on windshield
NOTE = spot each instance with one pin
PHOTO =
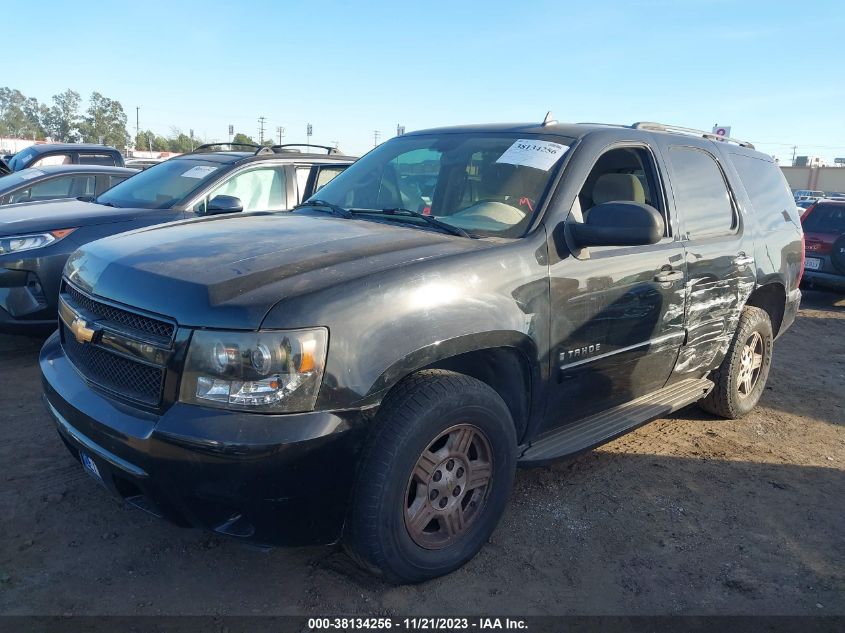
(200, 171)
(532, 153)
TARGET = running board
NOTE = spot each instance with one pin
(608, 425)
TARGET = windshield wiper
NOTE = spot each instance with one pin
(334, 208)
(431, 221)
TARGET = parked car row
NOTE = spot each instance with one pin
(37, 238)
(371, 366)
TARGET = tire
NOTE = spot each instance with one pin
(733, 396)
(396, 489)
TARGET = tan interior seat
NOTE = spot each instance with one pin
(613, 187)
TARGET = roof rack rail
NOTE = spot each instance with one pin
(212, 147)
(284, 148)
(662, 127)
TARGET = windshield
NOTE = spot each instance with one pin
(826, 218)
(486, 184)
(17, 161)
(161, 186)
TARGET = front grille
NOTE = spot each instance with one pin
(124, 318)
(120, 375)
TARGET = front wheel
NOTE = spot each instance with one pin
(741, 378)
(434, 477)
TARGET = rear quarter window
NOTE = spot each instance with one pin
(767, 189)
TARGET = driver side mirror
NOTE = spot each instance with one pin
(224, 204)
(618, 224)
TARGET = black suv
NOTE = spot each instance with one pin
(373, 366)
(45, 154)
(36, 238)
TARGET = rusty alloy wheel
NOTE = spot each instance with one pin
(448, 487)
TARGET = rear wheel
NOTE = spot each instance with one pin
(434, 477)
(741, 378)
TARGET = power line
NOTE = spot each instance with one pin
(261, 120)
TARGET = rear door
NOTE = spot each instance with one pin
(719, 251)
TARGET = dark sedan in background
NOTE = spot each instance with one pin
(36, 238)
(824, 244)
(37, 184)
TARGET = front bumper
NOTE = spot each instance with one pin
(267, 479)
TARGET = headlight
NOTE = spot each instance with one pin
(270, 372)
(16, 243)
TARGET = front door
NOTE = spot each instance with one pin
(617, 313)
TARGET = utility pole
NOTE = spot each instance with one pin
(376, 135)
(261, 120)
(400, 129)
(281, 132)
(794, 148)
(137, 126)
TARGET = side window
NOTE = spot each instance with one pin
(97, 159)
(765, 184)
(53, 159)
(302, 174)
(260, 189)
(62, 187)
(701, 194)
(326, 175)
(624, 174)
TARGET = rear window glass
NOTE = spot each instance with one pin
(826, 218)
(97, 159)
(701, 193)
(765, 184)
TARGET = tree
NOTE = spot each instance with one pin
(19, 116)
(243, 138)
(106, 121)
(181, 142)
(62, 120)
(149, 141)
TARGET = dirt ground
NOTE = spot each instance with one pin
(688, 515)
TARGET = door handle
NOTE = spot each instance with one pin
(743, 260)
(668, 276)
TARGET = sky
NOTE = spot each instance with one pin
(771, 70)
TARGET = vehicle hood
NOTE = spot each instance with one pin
(229, 271)
(28, 217)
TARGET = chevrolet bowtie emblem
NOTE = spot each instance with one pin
(81, 332)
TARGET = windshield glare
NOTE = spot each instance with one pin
(161, 186)
(486, 184)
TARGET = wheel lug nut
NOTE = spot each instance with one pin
(450, 464)
(443, 502)
(437, 475)
(433, 495)
(456, 491)
(459, 472)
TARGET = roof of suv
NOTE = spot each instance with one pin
(579, 130)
